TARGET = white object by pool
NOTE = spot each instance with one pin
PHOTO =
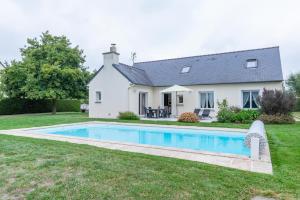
(256, 139)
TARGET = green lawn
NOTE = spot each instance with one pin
(42, 169)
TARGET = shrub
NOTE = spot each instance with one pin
(68, 105)
(277, 119)
(225, 116)
(246, 116)
(128, 116)
(277, 106)
(223, 105)
(274, 102)
(10, 106)
(20, 106)
(235, 114)
(188, 117)
(235, 109)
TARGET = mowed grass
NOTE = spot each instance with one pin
(43, 169)
(46, 119)
(33, 120)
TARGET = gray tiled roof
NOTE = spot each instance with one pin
(133, 74)
(219, 68)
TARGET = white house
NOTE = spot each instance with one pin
(237, 77)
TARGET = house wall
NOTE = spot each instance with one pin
(118, 94)
(231, 92)
(134, 91)
(114, 91)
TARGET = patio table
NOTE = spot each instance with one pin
(156, 111)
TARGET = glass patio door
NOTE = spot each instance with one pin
(167, 101)
(142, 102)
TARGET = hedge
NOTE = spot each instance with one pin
(67, 105)
(297, 107)
(22, 106)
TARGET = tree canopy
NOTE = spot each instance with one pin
(50, 68)
(294, 83)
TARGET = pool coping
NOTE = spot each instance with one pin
(263, 165)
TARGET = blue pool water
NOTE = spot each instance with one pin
(213, 141)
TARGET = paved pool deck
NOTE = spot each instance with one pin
(263, 165)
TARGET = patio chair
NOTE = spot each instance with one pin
(205, 113)
(164, 113)
(197, 111)
(151, 112)
(160, 112)
(147, 112)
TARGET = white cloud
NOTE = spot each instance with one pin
(155, 29)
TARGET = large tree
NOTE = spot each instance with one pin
(294, 83)
(50, 68)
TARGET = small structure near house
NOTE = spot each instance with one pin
(84, 107)
(239, 77)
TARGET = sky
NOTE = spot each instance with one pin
(155, 29)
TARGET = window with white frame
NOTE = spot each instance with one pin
(250, 98)
(207, 100)
(98, 96)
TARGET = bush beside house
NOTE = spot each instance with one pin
(188, 117)
(277, 106)
(10, 106)
(128, 116)
(277, 119)
(234, 114)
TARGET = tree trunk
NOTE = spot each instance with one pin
(54, 103)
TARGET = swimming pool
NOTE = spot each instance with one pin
(194, 139)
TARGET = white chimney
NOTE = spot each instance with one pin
(111, 57)
(113, 48)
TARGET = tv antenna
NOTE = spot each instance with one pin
(133, 57)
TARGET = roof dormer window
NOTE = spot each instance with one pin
(185, 69)
(252, 63)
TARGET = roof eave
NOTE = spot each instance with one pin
(220, 83)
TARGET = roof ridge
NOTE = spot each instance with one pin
(212, 54)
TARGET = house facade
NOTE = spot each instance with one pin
(239, 77)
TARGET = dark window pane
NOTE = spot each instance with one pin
(210, 97)
(202, 100)
(246, 99)
(254, 100)
(180, 99)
